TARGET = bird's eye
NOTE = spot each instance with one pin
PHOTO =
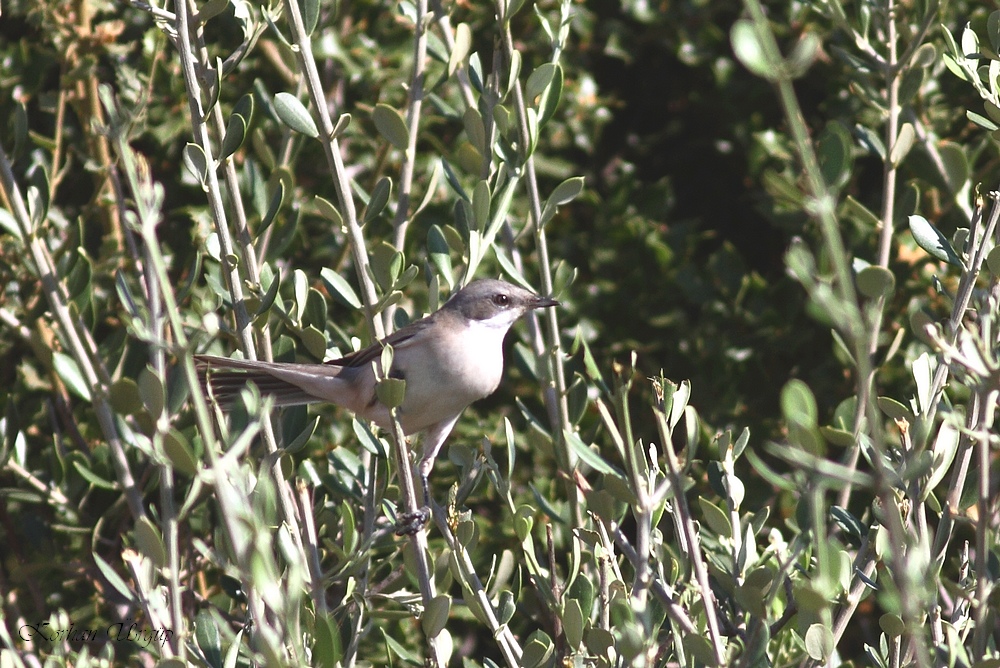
(501, 300)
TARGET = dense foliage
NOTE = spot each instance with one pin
(804, 243)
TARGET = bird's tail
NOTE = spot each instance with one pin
(223, 378)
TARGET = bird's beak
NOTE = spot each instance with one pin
(543, 302)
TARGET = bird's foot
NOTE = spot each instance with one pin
(408, 524)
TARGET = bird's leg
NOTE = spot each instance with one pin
(434, 438)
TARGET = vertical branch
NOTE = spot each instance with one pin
(199, 128)
(401, 220)
(549, 347)
(418, 539)
(331, 147)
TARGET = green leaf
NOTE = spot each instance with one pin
(481, 206)
(208, 638)
(328, 650)
(993, 261)
(956, 165)
(834, 152)
(565, 192)
(149, 542)
(124, 396)
(904, 142)
(236, 133)
(803, 55)
(716, 519)
(338, 287)
(798, 404)
(303, 437)
(328, 211)
(871, 140)
(390, 124)
(539, 80)
(391, 391)
(69, 372)
(294, 114)
(273, 206)
(931, 240)
(895, 410)
(549, 101)
(440, 253)
(178, 451)
(875, 281)
(93, 478)
(749, 51)
(573, 623)
(368, 440)
(115, 580)
(587, 455)
(9, 223)
(435, 615)
(343, 122)
(151, 391)
(981, 121)
(196, 162)
(378, 200)
(310, 14)
(460, 48)
(819, 642)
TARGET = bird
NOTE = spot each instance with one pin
(448, 360)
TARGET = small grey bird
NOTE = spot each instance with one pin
(448, 359)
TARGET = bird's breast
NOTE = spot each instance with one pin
(448, 372)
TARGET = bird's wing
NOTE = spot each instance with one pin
(401, 338)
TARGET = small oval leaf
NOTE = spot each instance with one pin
(378, 200)
(875, 281)
(391, 125)
(931, 240)
(69, 372)
(748, 50)
(338, 287)
(196, 162)
(294, 114)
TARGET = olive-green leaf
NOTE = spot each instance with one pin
(124, 396)
(378, 200)
(196, 162)
(69, 372)
(748, 50)
(178, 451)
(875, 281)
(327, 209)
(294, 114)
(539, 80)
(716, 519)
(391, 391)
(236, 132)
(904, 142)
(460, 49)
(391, 125)
(338, 286)
(931, 240)
(149, 543)
(310, 14)
(151, 391)
(435, 615)
(798, 403)
(573, 623)
(115, 580)
(819, 642)
(895, 410)
(208, 638)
